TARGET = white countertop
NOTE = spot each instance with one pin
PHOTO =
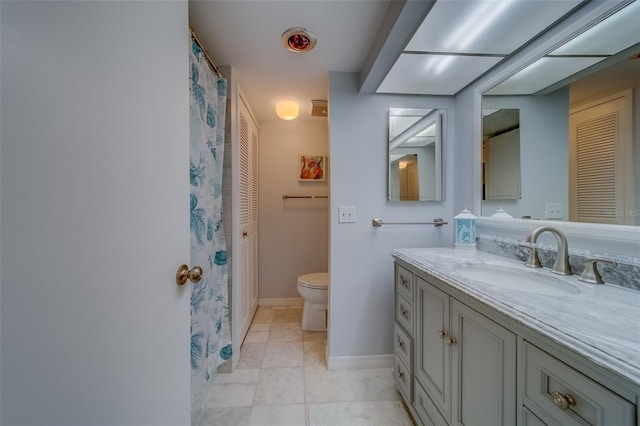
(600, 322)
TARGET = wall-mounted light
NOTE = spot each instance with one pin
(287, 110)
(402, 164)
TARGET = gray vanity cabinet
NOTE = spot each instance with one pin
(465, 362)
(460, 361)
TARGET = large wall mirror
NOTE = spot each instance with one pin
(578, 156)
(415, 154)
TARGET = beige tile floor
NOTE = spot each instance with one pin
(282, 380)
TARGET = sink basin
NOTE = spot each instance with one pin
(515, 279)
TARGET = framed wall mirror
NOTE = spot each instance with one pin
(415, 154)
(579, 127)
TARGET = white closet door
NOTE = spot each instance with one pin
(600, 184)
(246, 256)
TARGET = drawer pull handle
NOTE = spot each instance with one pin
(442, 333)
(450, 341)
(563, 401)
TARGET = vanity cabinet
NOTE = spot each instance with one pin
(460, 362)
(465, 362)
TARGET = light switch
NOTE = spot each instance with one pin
(346, 214)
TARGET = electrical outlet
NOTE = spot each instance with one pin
(554, 211)
(346, 214)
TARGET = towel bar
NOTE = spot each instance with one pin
(438, 221)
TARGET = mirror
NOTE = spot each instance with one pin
(579, 139)
(415, 154)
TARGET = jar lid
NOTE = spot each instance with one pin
(465, 214)
(501, 213)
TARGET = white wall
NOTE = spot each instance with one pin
(544, 153)
(361, 267)
(294, 233)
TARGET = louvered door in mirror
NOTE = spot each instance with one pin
(601, 181)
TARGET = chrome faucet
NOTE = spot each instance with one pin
(561, 265)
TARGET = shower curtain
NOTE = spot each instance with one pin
(210, 330)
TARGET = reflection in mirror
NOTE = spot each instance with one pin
(415, 157)
(500, 154)
(580, 137)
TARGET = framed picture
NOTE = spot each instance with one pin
(312, 168)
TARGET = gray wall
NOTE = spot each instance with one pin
(361, 289)
(294, 233)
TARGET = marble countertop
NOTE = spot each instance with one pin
(599, 322)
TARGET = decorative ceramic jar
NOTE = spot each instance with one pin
(465, 223)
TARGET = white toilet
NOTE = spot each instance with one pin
(315, 291)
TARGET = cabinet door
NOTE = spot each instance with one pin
(433, 361)
(483, 369)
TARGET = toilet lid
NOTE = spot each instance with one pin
(315, 280)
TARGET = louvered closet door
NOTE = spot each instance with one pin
(601, 189)
(247, 261)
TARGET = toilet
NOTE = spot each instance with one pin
(314, 290)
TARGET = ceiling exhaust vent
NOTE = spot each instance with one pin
(319, 108)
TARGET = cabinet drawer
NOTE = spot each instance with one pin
(569, 397)
(530, 419)
(427, 411)
(403, 345)
(404, 314)
(404, 283)
(404, 379)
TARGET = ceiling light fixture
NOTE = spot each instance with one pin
(298, 39)
(287, 110)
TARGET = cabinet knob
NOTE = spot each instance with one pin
(401, 375)
(400, 343)
(404, 312)
(442, 333)
(450, 341)
(563, 401)
(404, 281)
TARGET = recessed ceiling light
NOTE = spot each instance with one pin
(298, 39)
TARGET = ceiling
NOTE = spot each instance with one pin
(410, 47)
(246, 35)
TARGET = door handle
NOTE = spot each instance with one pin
(244, 234)
(184, 274)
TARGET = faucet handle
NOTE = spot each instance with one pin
(590, 274)
(533, 261)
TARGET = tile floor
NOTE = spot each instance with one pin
(282, 379)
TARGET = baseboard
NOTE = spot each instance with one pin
(293, 301)
(360, 362)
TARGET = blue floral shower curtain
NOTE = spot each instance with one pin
(210, 330)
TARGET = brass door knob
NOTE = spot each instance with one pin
(184, 274)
